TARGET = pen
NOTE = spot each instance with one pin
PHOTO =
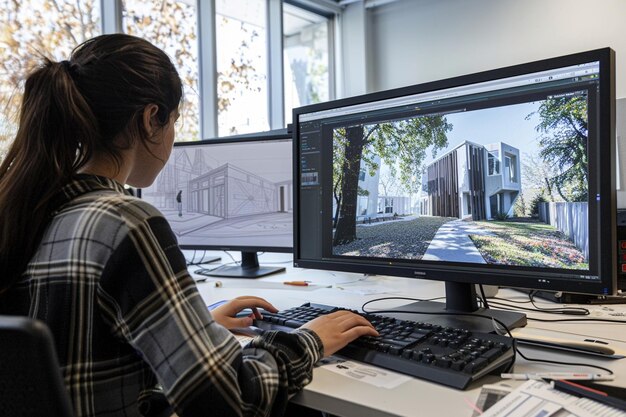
(587, 392)
(297, 283)
(560, 375)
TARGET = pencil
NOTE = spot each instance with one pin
(297, 283)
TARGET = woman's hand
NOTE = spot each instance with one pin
(340, 328)
(225, 314)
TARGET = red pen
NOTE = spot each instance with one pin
(297, 283)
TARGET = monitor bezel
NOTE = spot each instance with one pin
(281, 134)
(607, 245)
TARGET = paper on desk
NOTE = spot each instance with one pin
(378, 377)
(364, 289)
(539, 399)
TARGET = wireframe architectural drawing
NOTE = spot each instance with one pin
(228, 194)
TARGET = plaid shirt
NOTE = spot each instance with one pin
(111, 283)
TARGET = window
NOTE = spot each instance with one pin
(510, 165)
(306, 58)
(493, 160)
(241, 39)
(31, 28)
(54, 27)
(172, 26)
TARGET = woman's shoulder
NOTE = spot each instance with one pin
(127, 208)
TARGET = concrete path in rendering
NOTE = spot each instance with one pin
(452, 243)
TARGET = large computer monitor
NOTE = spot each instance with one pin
(504, 177)
(233, 193)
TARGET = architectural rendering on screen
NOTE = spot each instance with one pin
(228, 195)
(501, 185)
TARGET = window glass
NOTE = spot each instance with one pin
(30, 29)
(306, 58)
(241, 38)
(494, 163)
(172, 26)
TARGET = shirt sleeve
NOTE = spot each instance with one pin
(150, 301)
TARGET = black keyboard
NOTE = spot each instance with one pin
(449, 356)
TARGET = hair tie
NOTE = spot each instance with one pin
(70, 67)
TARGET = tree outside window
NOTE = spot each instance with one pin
(306, 58)
(172, 26)
(241, 39)
(31, 29)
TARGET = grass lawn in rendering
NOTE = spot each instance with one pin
(528, 243)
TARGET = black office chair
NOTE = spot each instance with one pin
(30, 377)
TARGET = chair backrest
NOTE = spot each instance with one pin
(30, 376)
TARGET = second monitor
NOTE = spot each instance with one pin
(230, 194)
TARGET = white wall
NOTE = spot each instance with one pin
(415, 41)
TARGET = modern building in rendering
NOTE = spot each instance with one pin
(473, 181)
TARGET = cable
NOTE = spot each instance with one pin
(395, 298)
(565, 320)
(482, 293)
(236, 262)
(564, 363)
(574, 311)
(201, 261)
(558, 310)
(510, 301)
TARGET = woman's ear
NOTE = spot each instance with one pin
(150, 122)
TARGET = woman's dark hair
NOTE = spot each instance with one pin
(71, 110)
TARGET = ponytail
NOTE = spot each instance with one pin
(70, 111)
(55, 136)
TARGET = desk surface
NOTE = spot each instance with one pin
(344, 396)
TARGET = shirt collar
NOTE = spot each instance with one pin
(85, 183)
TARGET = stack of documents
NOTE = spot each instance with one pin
(537, 398)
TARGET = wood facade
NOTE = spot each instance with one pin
(443, 182)
(443, 186)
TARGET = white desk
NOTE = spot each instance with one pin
(342, 396)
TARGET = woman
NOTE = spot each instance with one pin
(103, 269)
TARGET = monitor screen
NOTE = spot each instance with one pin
(505, 177)
(228, 194)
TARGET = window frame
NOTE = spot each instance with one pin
(111, 22)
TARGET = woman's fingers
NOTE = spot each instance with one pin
(253, 302)
(346, 320)
(338, 329)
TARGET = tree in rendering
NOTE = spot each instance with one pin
(563, 142)
(402, 145)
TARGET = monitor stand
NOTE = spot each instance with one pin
(249, 268)
(460, 299)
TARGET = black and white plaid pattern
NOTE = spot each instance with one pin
(112, 284)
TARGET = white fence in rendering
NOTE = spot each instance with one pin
(570, 218)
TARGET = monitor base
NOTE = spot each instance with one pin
(242, 272)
